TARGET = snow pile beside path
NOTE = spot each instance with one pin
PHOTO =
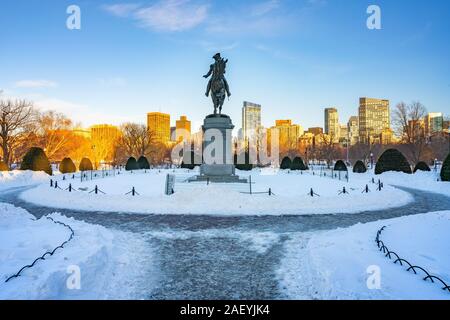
(17, 178)
(426, 181)
(333, 264)
(109, 261)
(291, 196)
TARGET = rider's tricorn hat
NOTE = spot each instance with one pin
(217, 56)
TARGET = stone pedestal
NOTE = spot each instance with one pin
(217, 151)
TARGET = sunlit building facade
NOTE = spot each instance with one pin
(288, 134)
(374, 121)
(434, 123)
(183, 129)
(159, 124)
(332, 126)
(251, 120)
(353, 130)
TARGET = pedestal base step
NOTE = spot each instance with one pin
(218, 179)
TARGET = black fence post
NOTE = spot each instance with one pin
(51, 182)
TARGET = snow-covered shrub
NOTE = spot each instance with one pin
(286, 163)
(422, 166)
(143, 163)
(36, 160)
(3, 166)
(445, 171)
(340, 166)
(67, 166)
(359, 167)
(392, 160)
(298, 164)
(85, 165)
(131, 164)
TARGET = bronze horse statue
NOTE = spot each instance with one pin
(217, 85)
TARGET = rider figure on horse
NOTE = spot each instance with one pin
(217, 70)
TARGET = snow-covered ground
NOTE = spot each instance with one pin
(291, 195)
(333, 264)
(111, 262)
(17, 178)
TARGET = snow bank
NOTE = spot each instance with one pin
(17, 178)
(333, 264)
(425, 181)
(290, 189)
(109, 261)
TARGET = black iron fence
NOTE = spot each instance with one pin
(48, 253)
(393, 255)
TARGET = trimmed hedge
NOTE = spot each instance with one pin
(36, 160)
(67, 166)
(445, 171)
(286, 163)
(340, 166)
(392, 160)
(359, 167)
(422, 166)
(131, 164)
(298, 164)
(85, 165)
(143, 163)
(3, 166)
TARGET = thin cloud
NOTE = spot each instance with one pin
(265, 7)
(35, 84)
(165, 16)
(121, 9)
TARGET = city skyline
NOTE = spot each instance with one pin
(89, 75)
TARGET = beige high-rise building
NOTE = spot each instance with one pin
(103, 139)
(159, 124)
(104, 132)
(353, 130)
(332, 123)
(374, 121)
(251, 120)
(183, 129)
(434, 123)
(288, 134)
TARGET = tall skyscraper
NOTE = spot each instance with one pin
(353, 129)
(183, 129)
(251, 120)
(332, 123)
(159, 124)
(374, 121)
(434, 123)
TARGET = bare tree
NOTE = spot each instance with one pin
(136, 140)
(16, 119)
(55, 134)
(408, 124)
(327, 149)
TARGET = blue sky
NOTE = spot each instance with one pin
(295, 57)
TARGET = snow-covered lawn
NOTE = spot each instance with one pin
(426, 181)
(291, 195)
(17, 178)
(110, 262)
(333, 264)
